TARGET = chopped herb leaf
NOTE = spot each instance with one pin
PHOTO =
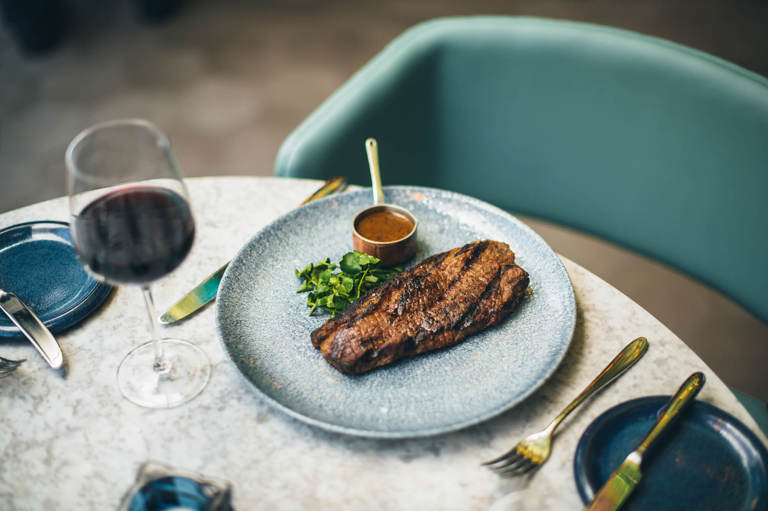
(333, 287)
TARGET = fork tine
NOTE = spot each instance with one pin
(509, 460)
(527, 470)
(515, 459)
(8, 366)
(519, 469)
(512, 452)
(512, 465)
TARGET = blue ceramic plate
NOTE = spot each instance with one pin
(707, 460)
(264, 324)
(39, 265)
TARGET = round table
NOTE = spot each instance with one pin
(75, 443)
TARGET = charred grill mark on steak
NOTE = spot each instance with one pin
(465, 320)
(435, 304)
(411, 287)
(371, 302)
(479, 315)
(477, 249)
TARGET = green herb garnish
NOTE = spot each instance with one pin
(333, 287)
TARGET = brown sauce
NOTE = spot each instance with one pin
(384, 225)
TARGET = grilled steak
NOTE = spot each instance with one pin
(437, 303)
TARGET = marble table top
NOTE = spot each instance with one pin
(75, 443)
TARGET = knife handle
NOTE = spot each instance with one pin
(32, 328)
(331, 186)
(682, 398)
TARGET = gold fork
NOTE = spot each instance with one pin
(534, 450)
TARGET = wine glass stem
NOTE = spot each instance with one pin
(160, 364)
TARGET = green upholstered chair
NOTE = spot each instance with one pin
(655, 146)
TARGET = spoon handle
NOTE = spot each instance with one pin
(372, 150)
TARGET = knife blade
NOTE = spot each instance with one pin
(207, 289)
(32, 328)
(623, 481)
(192, 301)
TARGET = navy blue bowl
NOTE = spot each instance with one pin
(706, 460)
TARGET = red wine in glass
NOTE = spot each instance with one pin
(134, 235)
(132, 224)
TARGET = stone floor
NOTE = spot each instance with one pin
(229, 81)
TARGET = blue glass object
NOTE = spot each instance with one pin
(159, 488)
(171, 493)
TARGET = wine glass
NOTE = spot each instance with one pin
(132, 224)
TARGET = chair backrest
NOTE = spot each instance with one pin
(655, 146)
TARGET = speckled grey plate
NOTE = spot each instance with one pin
(264, 326)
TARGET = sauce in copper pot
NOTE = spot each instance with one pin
(384, 225)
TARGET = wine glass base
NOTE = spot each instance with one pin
(185, 375)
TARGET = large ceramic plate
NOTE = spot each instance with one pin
(707, 460)
(38, 264)
(264, 325)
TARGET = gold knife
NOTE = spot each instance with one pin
(623, 481)
(206, 290)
